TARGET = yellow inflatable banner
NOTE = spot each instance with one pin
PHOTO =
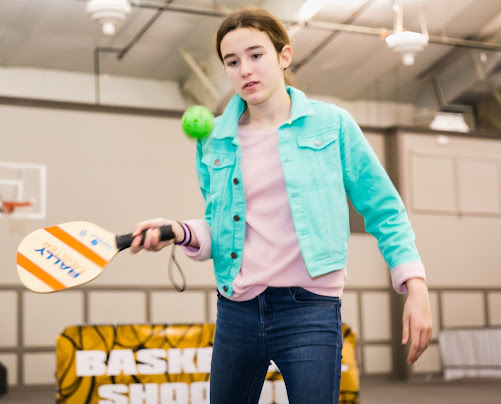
(159, 364)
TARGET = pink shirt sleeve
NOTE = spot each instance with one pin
(402, 273)
(203, 233)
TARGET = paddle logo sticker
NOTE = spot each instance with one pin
(95, 239)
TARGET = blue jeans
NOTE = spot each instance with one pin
(299, 330)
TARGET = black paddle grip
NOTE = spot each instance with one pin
(125, 240)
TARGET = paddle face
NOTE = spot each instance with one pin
(64, 256)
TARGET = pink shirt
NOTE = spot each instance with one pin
(272, 255)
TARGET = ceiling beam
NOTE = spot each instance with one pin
(318, 25)
(331, 37)
(324, 26)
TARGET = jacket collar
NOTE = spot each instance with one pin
(228, 122)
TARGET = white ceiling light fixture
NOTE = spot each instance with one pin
(406, 43)
(309, 9)
(304, 14)
(108, 13)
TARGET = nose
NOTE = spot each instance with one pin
(245, 69)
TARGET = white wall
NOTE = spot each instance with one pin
(126, 91)
(451, 186)
(453, 194)
(379, 114)
(112, 170)
(66, 86)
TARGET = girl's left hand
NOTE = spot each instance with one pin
(417, 323)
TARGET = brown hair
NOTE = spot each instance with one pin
(253, 17)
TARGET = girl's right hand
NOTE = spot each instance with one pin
(151, 240)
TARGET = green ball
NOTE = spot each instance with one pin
(198, 122)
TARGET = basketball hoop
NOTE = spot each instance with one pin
(23, 191)
(8, 207)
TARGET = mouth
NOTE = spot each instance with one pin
(250, 84)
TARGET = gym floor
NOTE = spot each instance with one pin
(373, 391)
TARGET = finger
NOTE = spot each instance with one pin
(144, 240)
(414, 346)
(405, 331)
(164, 244)
(147, 239)
(154, 238)
(430, 336)
(135, 250)
(157, 244)
(423, 344)
(135, 246)
(147, 224)
(138, 228)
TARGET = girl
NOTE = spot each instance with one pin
(275, 173)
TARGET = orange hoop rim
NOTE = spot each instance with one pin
(8, 207)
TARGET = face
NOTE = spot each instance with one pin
(252, 64)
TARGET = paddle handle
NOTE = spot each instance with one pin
(124, 241)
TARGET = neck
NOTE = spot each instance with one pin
(273, 112)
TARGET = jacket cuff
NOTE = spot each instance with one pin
(403, 272)
(203, 233)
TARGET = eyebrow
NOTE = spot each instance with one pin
(250, 48)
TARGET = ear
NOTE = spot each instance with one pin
(285, 57)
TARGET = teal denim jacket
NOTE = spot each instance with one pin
(324, 157)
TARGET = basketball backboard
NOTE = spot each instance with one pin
(23, 190)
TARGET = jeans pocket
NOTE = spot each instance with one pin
(304, 296)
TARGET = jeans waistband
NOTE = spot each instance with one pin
(281, 290)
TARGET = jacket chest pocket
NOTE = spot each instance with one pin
(320, 150)
(220, 166)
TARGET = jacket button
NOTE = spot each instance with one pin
(235, 181)
(233, 255)
(217, 162)
(225, 288)
(318, 143)
(236, 218)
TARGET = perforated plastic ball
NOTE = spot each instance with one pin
(198, 122)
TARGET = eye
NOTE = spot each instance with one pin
(256, 55)
(232, 63)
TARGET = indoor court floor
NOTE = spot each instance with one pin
(373, 391)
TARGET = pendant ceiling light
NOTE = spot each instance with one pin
(108, 13)
(406, 43)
